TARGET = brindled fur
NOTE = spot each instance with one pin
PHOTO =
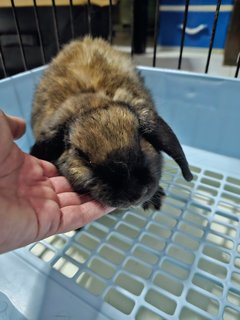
(94, 119)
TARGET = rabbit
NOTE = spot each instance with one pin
(93, 117)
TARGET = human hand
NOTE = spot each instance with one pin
(35, 202)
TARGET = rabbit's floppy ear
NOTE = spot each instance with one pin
(51, 144)
(164, 139)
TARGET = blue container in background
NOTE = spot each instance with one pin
(199, 25)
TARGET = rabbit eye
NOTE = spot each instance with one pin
(83, 155)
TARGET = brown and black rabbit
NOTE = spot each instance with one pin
(94, 119)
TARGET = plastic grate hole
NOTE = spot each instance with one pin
(203, 302)
(159, 230)
(212, 268)
(135, 267)
(168, 284)
(216, 254)
(91, 283)
(97, 232)
(232, 189)
(185, 241)
(111, 254)
(101, 268)
(227, 207)
(119, 301)
(225, 230)
(214, 175)
(165, 220)
(181, 255)
(42, 252)
(230, 314)
(207, 284)
(220, 241)
(170, 167)
(127, 231)
(188, 314)
(186, 184)
(135, 221)
(128, 283)
(229, 198)
(234, 297)
(86, 241)
(202, 199)
(226, 219)
(196, 219)
(145, 255)
(233, 181)
(237, 263)
(65, 267)
(175, 270)
(235, 278)
(144, 314)
(161, 302)
(77, 254)
(191, 230)
(107, 221)
(166, 177)
(70, 234)
(119, 243)
(166, 208)
(153, 243)
(180, 192)
(56, 241)
(207, 191)
(175, 202)
(210, 182)
(195, 169)
(198, 209)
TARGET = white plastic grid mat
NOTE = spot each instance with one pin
(182, 262)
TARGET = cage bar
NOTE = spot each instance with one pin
(213, 34)
(183, 33)
(37, 21)
(55, 24)
(110, 31)
(238, 66)
(71, 18)
(3, 63)
(156, 32)
(19, 35)
(89, 17)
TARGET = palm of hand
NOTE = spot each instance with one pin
(35, 201)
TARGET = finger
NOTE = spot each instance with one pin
(76, 216)
(60, 184)
(72, 198)
(49, 170)
(17, 126)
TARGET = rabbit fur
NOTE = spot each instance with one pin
(94, 119)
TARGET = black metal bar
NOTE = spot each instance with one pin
(89, 17)
(183, 33)
(132, 27)
(238, 66)
(37, 20)
(110, 31)
(156, 32)
(55, 24)
(213, 34)
(19, 35)
(71, 18)
(3, 63)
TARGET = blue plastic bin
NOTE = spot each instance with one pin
(182, 262)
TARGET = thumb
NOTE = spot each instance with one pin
(16, 125)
